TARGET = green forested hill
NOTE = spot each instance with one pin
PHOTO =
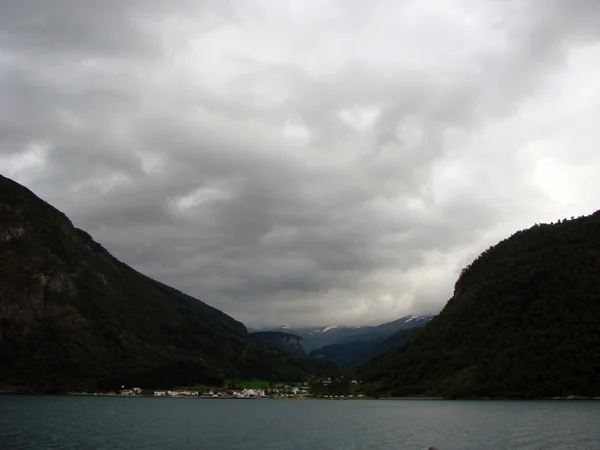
(524, 321)
(72, 317)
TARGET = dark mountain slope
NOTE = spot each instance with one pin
(524, 321)
(355, 353)
(283, 341)
(74, 317)
(347, 354)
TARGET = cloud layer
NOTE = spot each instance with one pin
(303, 162)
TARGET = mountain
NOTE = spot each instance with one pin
(354, 353)
(524, 322)
(314, 338)
(284, 341)
(73, 317)
(404, 323)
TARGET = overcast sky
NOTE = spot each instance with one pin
(304, 162)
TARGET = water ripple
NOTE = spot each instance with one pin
(47, 422)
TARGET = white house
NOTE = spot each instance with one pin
(250, 393)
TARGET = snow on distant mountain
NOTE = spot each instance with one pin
(417, 318)
(358, 345)
(323, 330)
(317, 337)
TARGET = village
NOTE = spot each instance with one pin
(322, 389)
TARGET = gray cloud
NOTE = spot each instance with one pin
(303, 162)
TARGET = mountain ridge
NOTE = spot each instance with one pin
(354, 353)
(73, 317)
(314, 338)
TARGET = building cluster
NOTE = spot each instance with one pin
(241, 393)
(132, 391)
(288, 391)
(277, 390)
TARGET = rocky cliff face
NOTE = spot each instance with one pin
(33, 273)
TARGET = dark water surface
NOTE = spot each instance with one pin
(38, 422)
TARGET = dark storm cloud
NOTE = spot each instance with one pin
(306, 162)
(109, 29)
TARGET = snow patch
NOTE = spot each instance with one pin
(329, 328)
(417, 318)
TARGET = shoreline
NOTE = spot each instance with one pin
(87, 394)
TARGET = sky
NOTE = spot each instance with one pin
(304, 162)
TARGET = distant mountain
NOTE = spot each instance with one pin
(284, 341)
(404, 323)
(524, 321)
(354, 353)
(348, 354)
(73, 317)
(317, 337)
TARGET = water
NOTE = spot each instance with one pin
(38, 422)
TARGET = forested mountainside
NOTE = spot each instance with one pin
(524, 321)
(283, 341)
(72, 317)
